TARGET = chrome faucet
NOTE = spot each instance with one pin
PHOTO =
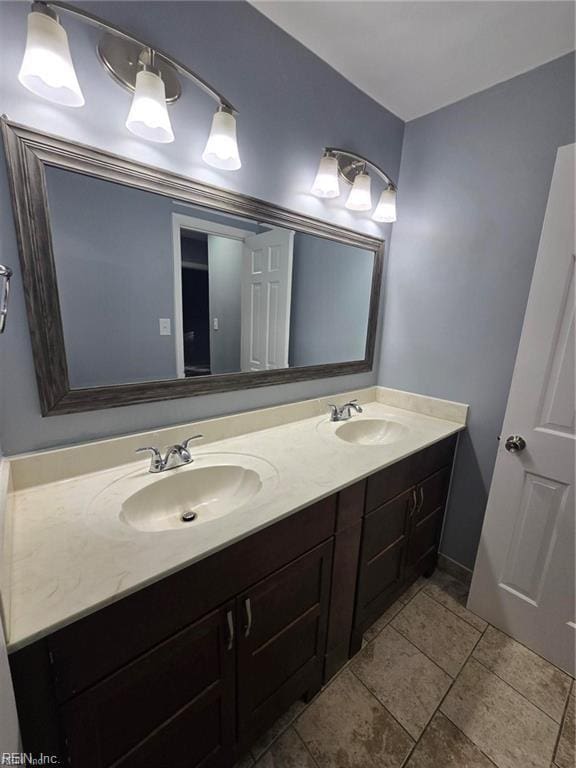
(344, 412)
(176, 456)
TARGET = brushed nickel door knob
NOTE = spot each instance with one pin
(515, 444)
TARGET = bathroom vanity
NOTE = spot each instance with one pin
(190, 669)
(167, 618)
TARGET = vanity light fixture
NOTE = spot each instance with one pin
(386, 209)
(352, 168)
(148, 116)
(47, 69)
(326, 181)
(148, 72)
(360, 197)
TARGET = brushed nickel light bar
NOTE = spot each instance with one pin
(337, 164)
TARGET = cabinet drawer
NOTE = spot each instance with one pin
(94, 647)
(385, 525)
(184, 686)
(388, 483)
(393, 480)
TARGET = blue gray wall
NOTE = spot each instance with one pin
(291, 105)
(472, 194)
(331, 285)
(115, 270)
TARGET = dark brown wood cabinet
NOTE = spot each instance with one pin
(173, 706)
(405, 506)
(187, 672)
(282, 639)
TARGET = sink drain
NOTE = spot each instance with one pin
(188, 517)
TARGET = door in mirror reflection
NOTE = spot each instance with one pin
(152, 288)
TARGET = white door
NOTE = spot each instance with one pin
(524, 575)
(266, 296)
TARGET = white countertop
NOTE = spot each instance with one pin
(66, 561)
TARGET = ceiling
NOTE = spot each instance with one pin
(415, 57)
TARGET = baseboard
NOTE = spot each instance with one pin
(457, 570)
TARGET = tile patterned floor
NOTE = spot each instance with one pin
(434, 687)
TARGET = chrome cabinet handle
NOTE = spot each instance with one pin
(230, 620)
(6, 273)
(421, 498)
(248, 609)
(515, 444)
(414, 501)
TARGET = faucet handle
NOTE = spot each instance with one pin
(334, 411)
(189, 440)
(156, 455)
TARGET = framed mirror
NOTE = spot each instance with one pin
(142, 285)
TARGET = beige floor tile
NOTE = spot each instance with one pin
(261, 745)
(541, 683)
(287, 752)
(346, 727)
(385, 619)
(566, 749)
(413, 590)
(408, 684)
(445, 746)
(453, 594)
(510, 730)
(437, 632)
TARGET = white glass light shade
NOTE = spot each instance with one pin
(148, 117)
(326, 181)
(221, 149)
(360, 198)
(386, 208)
(47, 69)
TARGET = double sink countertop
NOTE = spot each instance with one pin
(68, 552)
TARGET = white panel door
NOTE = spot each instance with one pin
(266, 298)
(524, 578)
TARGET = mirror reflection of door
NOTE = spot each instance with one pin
(266, 300)
(232, 296)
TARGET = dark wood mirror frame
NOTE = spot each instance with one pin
(28, 152)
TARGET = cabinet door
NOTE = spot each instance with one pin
(426, 524)
(173, 706)
(282, 637)
(382, 556)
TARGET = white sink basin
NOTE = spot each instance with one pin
(184, 500)
(371, 431)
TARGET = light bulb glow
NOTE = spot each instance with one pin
(148, 117)
(360, 198)
(386, 208)
(221, 149)
(47, 69)
(326, 181)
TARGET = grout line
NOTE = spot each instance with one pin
(563, 671)
(444, 714)
(559, 734)
(305, 747)
(454, 612)
(509, 684)
(373, 695)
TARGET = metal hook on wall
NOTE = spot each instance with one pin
(5, 275)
